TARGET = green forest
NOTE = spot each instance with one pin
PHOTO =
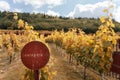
(46, 22)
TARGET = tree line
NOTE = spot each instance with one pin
(46, 22)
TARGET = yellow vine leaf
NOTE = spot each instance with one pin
(20, 23)
(105, 10)
(102, 19)
(111, 6)
(111, 15)
(54, 73)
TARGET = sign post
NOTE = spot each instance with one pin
(36, 74)
(35, 55)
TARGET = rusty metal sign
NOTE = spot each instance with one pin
(35, 55)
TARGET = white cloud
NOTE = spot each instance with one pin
(4, 6)
(117, 14)
(89, 10)
(52, 13)
(49, 12)
(116, 0)
(96, 10)
(39, 3)
(17, 1)
(17, 10)
(54, 2)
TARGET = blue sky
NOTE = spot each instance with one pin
(67, 8)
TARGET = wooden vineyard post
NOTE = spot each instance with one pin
(36, 74)
(35, 55)
(115, 67)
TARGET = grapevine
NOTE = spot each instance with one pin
(94, 50)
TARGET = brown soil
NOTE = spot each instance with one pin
(65, 71)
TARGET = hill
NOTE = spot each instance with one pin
(46, 22)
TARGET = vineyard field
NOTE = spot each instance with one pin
(65, 71)
(74, 54)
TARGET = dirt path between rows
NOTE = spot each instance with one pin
(65, 71)
(11, 71)
(14, 71)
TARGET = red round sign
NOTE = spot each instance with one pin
(35, 55)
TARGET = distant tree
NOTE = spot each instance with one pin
(47, 22)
